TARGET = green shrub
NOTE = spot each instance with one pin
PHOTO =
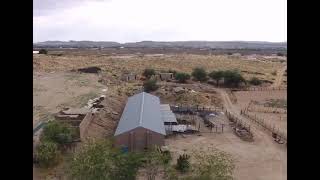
(148, 73)
(233, 78)
(183, 164)
(47, 154)
(280, 54)
(99, 160)
(57, 132)
(199, 74)
(150, 85)
(255, 81)
(182, 77)
(43, 51)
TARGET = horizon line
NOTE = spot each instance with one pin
(168, 41)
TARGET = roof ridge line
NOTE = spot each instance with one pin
(141, 109)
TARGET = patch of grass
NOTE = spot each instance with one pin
(78, 79)
(82, 100)
(274, 73)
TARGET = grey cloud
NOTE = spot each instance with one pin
(46, 7)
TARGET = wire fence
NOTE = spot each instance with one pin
(237, 121)
(254, 108)
(260, 89)
(194, 109)
(275, 132)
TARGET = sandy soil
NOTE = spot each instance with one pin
(262, 159)
(52, 91)
(244, 97)
(180, 62)
(279, 78)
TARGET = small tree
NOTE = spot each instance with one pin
(150, 85)
(216, 75)
(47, 154)
(280, 54)
(199, 74)
(57, 132)
(183, 164)
(148, 73)
(99, 160)
(255, 81)
(43, 51)
(233, 78)
(182, 77)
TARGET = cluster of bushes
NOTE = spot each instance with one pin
(100, 160)
(43, 51)
(54, 139)
(232, 78)
(255, 81)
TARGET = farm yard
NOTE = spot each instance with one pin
(58, 84)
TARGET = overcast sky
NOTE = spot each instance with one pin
(160, 20)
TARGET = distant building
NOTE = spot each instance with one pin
(129, 77)
(166, 76)
(35, 52)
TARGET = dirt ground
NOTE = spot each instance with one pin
(52, 91)
(244, 97)
(253, 160)
(55, 87)
(114, 65)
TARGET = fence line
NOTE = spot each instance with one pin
(266, 126)
(259, 89)
(266, 109)
(238, 121)
(192, 109)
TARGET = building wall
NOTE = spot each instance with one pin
(138, 139)
(128, 77)
(166, 76)
(84, 125)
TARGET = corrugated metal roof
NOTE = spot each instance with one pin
(168, 116)
(141, 110)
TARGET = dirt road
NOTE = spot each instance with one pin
(279, 78)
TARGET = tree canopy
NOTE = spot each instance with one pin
(199, 74)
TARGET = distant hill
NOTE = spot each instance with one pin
(75, 44)
(172, 44)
